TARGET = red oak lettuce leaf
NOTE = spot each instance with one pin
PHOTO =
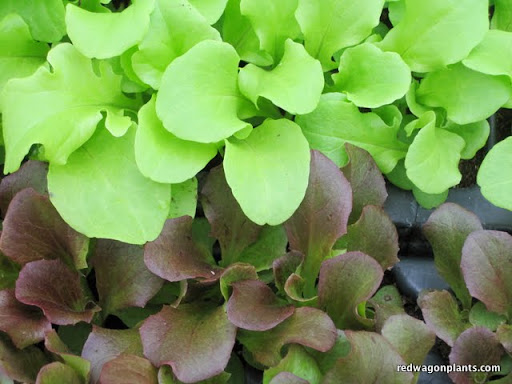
(504, 335)
(327, 360)
(287, 378)
(122, 278)
(411, 337)
(166, 376)
(128, 369)
(255, 307)
(176, 256)
(104, 345)
(309, 327)
(9, 271)
(25, 324)
(446, 230)
(487, 266)
(32, 174)
(375, 235)
(33, 230)
(442, 314)
(61, 352)
(294, 289)
(230, 226)
(285, 266)
(57, 372)
(386, 302)
(475, 346)
(321, 217)
(53, 287)
(372, 359)
(20, 364)
(233, 273)
(344, 282)
(368, 185)
(194, 339)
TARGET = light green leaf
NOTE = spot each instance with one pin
(268, 172)
(475, 135)
(238, 31)
(65, 106)
(104, 35)
(294, 85)
(200, 102)
(331, 25)
(273, 21)
(337, 121)
(100, 191)
(163, 157)
(429, 200)
(175, 27)
(432, 161)
(183, 199)
(493, 55)
(372, 78)
(495, 175)
(433, 34)
(502, 17)
(396, 11)
(466, 95)
(210, 9)
(298, 362)
(20, 55)
(45, 18)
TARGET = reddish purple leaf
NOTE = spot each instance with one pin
(487, 266)
(58, 373)
(25, 324)
(122, 278)
(33, 230)
(294, 288)
(230, 226)
(32, 174)
(446, 230)
(442, 315)
(195, 340)
(254, 306)
(372, 359)
(375, 235)
(307, 326)
(368, 185)
(475, 346)
(128, 369)
(346, 281)
(54, 288)
(287, 378)
(321, 218)
(233, 273)
(20, 364)
(175, 256)
(104, 345)
(285, 266)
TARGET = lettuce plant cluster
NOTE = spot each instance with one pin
(303, 301)
(128, 105)
(476, 317)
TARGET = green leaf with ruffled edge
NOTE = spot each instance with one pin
(502, 17)
(294, 85)
(493, 55)
(432, 161)
(210, 9)
(57, 372)
(494, 176)
(175, 27)
(188, 86)
(273, 23)
(298, 362)
(337, 121)
(479, 316)
(433, 34)
(20, 55)
(163, 157)
(331, 25)
(105, 35)
(130, 208)
(466, 95)
(45, 18)
(372, 78)
(268, 172)
(475, 135)
(65, 107)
